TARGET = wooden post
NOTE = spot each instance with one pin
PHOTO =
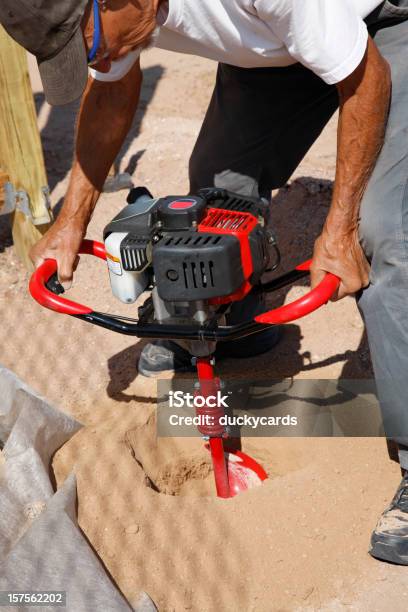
(21, 157)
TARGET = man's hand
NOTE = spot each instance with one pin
(342, 255)
(62, 243)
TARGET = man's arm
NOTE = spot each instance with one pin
(364, 102)
(104, 119)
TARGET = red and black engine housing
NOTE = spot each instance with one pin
(212, 246)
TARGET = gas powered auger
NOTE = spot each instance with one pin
(196, 255)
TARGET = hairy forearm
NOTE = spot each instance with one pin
(104, 119)
(364, 102)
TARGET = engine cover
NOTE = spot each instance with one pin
(222, 259)
(197, 266)
(211, 246)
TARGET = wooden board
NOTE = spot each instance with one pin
(21, 157)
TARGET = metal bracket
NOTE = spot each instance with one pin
(20, 200)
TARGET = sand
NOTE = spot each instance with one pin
(298, 542)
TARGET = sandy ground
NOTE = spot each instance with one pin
(300, 541)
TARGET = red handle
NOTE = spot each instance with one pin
(317, 297)
(290, 312)
(50, 300)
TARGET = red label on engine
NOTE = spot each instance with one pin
(182, 204)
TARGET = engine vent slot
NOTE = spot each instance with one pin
(195, 239)
(134, 253)
(198, 274)
(228, 200)
(227, 221)
(238, 204)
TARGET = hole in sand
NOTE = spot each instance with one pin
(192, 476)
(172, 466)
(182, 466)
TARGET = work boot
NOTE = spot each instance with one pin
(165, 355)
(389, 540)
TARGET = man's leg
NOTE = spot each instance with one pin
(384, 235)
(259, 125)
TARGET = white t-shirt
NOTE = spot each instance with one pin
(327, 36)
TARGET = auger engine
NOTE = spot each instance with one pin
(194, 252)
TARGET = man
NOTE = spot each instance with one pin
(285, 67)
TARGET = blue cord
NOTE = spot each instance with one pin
(97, 32)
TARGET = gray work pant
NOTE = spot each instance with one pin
(259, 125)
